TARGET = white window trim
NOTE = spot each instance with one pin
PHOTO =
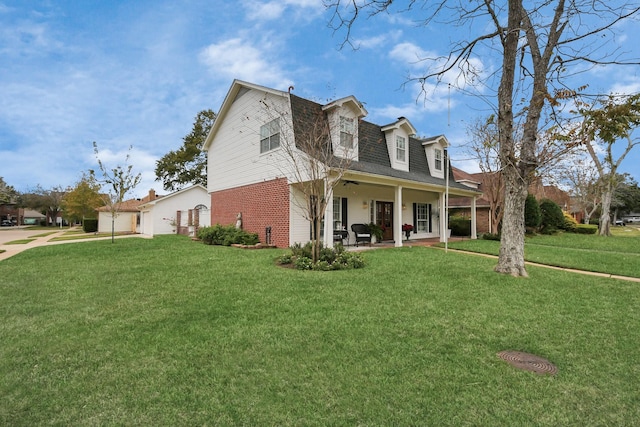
(425, 221)
(402, 149)
(438, 159)
(347, 127)
(273, 129)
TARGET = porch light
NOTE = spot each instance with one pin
(364, 205)
(404, 206)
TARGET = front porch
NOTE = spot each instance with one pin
(390, 206)
(431, 241)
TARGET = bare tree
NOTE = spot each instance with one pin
(48, 201)
(119, 181)
(483, 147)
(540, 42)
(312, 159)
(580, 175)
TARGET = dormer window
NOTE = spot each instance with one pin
(270, 136)
(438, 154)
(347, 130)
(401, 149)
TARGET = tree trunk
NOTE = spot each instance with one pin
(511, 258)
(604, 228)
(317, 240)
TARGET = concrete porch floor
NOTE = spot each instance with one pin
(405, 243)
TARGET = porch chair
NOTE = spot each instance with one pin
(362, 233)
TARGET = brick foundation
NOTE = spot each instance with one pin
(262, 205)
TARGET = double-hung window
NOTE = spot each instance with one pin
(270, 136)
(347, 130)
(401, 149)
(337, 213)
(438, 159)
(422, 217)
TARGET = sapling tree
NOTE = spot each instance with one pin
(119, 181)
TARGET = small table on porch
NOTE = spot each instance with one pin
(340, 236)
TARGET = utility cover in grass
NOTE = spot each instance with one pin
(528, 362)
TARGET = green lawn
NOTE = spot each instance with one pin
(618, 254)
(172, 332)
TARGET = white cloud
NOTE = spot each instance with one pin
(271, 10)
(237, 58)
(629, 86)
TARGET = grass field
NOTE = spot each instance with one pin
(619, 254)
(172, 332)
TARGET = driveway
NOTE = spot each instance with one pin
(8, 234)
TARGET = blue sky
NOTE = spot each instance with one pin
(125, 73)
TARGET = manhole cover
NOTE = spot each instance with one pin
(528, 362)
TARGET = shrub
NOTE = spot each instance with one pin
(336, 258)
(491, 236)
(570, 223)
(586, 229)
(226, 235)
(90, 225)
(532, 215)
(460, 226)
(552, 216)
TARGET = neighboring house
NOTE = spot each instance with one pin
(30, 217)
(481, 180)
(393, 177)
(176, 212)
(462, 205)
(126, 220)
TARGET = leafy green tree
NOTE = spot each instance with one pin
(627, 196)
(82, 201)
(46, 201)
(8, 194)
(188, 164)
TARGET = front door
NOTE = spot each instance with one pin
(384, 218)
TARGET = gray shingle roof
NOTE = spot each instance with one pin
(373, 156)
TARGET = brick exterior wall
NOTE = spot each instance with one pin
(262, 205)
(482, 217)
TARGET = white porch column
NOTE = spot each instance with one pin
(474, 227)
(327, 239)
(442, 216)
(397, 218)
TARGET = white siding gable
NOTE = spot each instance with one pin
(434, 149)
(233, 146)
(397, 137)
(343, 115)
